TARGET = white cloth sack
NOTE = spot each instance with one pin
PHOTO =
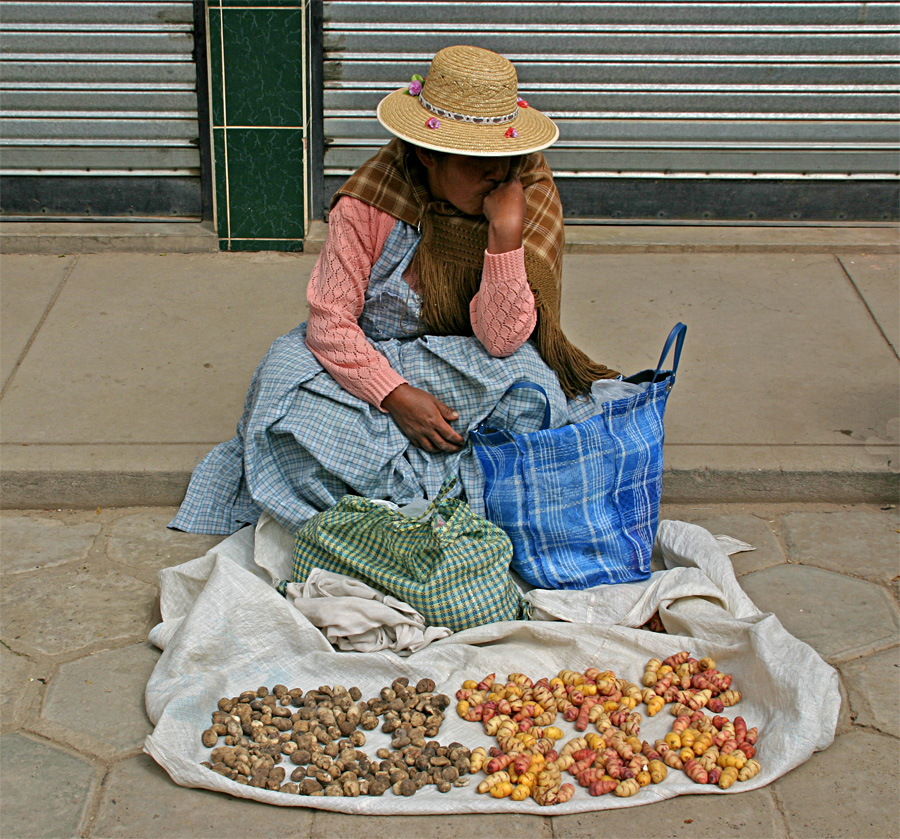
(225, 629)
(354, 616)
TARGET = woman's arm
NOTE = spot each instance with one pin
(336, 295)
(503, 313)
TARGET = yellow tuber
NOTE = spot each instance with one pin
(750, 770)
(655, 705)
(708, 759)
(686, 753)
(594, 741)
(735, 758)
(730, 697)
(702, 743)
(502, 790)
(565, 761)
(651, 670)
(493, 780)
(521, 792)
(477, 759)
(728, 777)
(627, 788)
(657, 770)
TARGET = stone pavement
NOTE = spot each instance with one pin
(79, 594)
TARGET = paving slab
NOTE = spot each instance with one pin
(34, 542)
(849, 790)
(27, 286)
(745, 815)
(845, 714)
(101, 697)
(861, 544)
(327, 825)
(16, 688)
(755, 339)
(69, 609)
(837, 616)
(141, 540)
(140, 801)
(878, 280)
(873, 684)
(45, 790)
(153, 349)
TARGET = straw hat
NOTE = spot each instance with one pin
(468, 104)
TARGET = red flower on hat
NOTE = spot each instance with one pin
(521, 103)
(511, 133)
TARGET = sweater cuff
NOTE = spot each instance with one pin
(382, 384)
(500, 267)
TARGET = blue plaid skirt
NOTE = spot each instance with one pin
(303, 442)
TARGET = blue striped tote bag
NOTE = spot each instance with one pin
(580, 503)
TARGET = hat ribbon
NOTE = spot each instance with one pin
(500, 120)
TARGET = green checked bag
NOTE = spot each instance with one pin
(449, 564)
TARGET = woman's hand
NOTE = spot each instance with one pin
(504, 208)
(423, 418)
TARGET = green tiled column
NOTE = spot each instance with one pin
(256, 57)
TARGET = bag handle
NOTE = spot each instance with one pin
(676, 336)
(442, 493)
(545, 423)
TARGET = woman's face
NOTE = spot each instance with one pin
(462, 180)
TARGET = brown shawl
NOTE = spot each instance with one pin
(450, 257)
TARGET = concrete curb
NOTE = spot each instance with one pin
(686, 238)
(86, 489)
(186, 237)
(107, 237)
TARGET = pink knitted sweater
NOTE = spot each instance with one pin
(502, 312)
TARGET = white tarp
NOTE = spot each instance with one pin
(225, 630)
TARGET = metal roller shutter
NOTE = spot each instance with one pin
(698, 109)
(99, 110)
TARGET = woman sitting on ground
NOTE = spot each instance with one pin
(437, 288)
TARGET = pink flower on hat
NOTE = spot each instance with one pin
(415, 85)
(434, 122)
(511, 133)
